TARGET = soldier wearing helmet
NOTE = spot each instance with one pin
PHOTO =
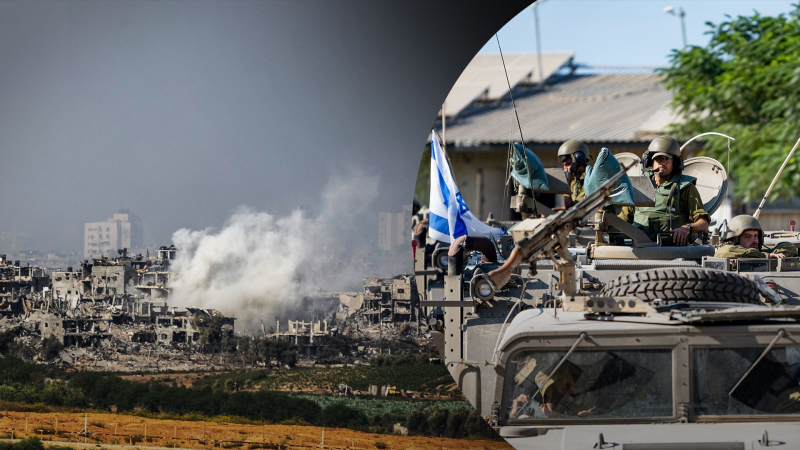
(745, 238)
(678, 207)
(574, 156)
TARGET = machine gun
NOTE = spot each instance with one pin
(550, 237)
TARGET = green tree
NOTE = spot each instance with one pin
(745, 83)
(51, 347)
(210, 328)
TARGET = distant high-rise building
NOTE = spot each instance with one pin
(122, 230)
(394, 229)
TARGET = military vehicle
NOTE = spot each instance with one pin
(637, 346)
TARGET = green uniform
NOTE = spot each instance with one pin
(576, 188)
(685, 207)
(737, 251)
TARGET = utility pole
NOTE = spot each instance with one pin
(681, 14)
(538, 41)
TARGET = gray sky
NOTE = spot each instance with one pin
(184, 111)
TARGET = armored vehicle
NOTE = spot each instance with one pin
(633, 346)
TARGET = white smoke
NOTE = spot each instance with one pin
(259, 266)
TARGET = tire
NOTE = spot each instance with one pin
(685, 284)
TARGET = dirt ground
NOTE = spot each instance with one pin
(132, 430)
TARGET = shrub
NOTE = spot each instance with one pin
(50, 349)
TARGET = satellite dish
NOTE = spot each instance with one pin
(712, 180)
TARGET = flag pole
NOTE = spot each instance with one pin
(444, 127)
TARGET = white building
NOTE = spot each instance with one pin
(122, 230)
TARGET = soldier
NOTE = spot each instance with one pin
(745, 238)
(550, 392)
(574, 156)
(678, 207)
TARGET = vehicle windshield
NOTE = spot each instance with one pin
(589, 384)
(772, 387)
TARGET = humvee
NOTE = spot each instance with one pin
(635, 346)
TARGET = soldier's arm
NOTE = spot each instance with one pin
(737, 251)
(694, 205)
(786, 249)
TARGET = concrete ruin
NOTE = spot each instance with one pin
(82, 308)
(383, 300)
(114, 314)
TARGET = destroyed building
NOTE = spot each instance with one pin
(304, 334)
(114, 313)
(385, 305)
(102, 299)
(20, 287)
(383, 300)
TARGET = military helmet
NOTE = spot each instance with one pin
(573, 146)
(666, 146)
(739, 225)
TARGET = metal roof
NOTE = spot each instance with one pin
(484, 77)
(592, 108)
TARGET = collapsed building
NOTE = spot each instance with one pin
(384, 306)
(383, 300)
(114, 314)
(20, 287)
(85, 307)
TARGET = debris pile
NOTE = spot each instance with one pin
(113, 314)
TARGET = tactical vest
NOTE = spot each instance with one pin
(667, 213)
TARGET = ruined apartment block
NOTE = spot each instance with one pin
(105, 298)
(388, 299)
(20, 287)
(121, 304)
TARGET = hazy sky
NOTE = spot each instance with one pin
(185, 111)
(623, 32)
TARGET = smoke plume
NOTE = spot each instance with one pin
(259, 266)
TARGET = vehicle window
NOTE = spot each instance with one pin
(772, 387)
(756, 265)
(589, 384)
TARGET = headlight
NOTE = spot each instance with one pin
(440, 259)
(482, 288)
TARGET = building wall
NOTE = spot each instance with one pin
(67, 286)
(121, 230)
(110, 280)
(101, 239)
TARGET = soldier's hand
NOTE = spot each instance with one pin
(777, 255)
(680, 235)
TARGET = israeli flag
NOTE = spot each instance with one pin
(449, 217)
